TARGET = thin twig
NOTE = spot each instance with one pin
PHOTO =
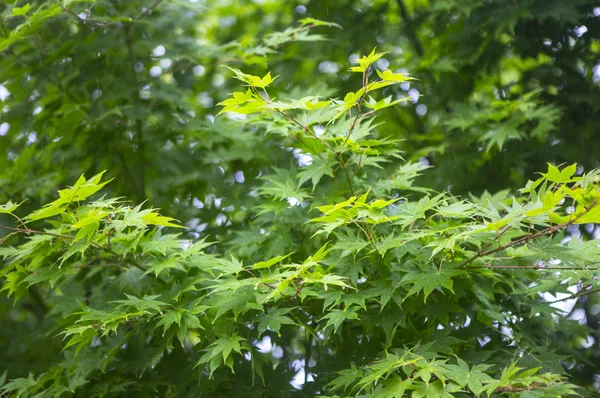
(70, 237)
(337, 154)
(97, 265)
(138, 122)
(4, 30)
(149, 9)
(527, 237)
(578, 294)
(80, 19)
(267, 99)
(36, 69)
(308, 354)
(307, 129)
(411, 34)
(4, 239)
(534, 267)
(20, 220)
(348, 179)
(365, 82)
(33, 231)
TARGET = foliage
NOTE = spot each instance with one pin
(317, 245)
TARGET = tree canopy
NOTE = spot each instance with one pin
(312, 198)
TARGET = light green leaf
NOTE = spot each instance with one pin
(21, 11)
(157, 219)
(268, 263)
(9, 207)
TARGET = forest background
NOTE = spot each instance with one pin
(375, 211)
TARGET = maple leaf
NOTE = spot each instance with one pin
(273, 320)
(428, 279)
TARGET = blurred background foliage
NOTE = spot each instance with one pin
(503, 86)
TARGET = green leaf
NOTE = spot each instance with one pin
(80, 191)
(317, 22)
(346, 378)
(475, 378)
(144, 305)
(389, 76)
(221, 350)
(21, 11)
(457, 210)
(393, 387)
(273, 320)
(315, 171)
(267, 264)
(428, 279)
(336, 317)
(189, 321)
(366, 61)
(384, 103)
(157, 219)
(9, 207)
(21, 385)
(168, 319)
(560, 176)
(251, 80)
(87, 231)
(158, 265)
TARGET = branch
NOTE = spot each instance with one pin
(70, 237)
(337, 154)
(138, 122)
(580, 293)
(4, 30)
(149, 10)
(59, 84)
(348, 179)
(313, 134)
(365, 230)
(411, 34)
(365, 82)
(535, 267)
(226, 61)
(78, 18)
(525, 238)
(307, 129)
(142, 160)
(33, 231)
(40, 308)
(309, 340)
(97, 265)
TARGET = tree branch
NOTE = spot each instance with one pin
(70, 237)
(534, 267)
(337, 154)
(411, 34)
(525, 238)
(141, 195)
(577, 295)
